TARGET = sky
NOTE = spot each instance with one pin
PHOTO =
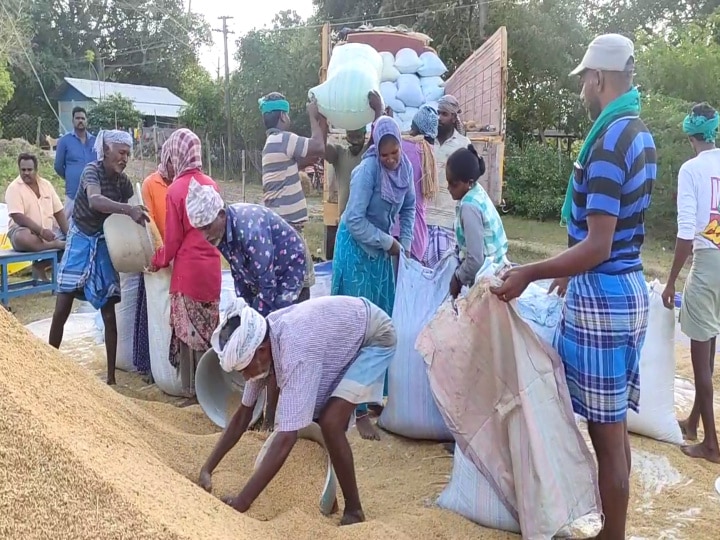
(245, 19)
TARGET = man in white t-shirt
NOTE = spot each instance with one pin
(440, 213)
(698, 209)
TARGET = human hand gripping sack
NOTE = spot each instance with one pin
(139, 215)
(514, 282)
(560, 285)
(668, 296)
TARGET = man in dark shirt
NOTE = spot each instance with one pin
(86, 271)
(606, 306)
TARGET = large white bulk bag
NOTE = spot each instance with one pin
(157, 292)
(657, 375)
(431, 65)
(431, 81)
(407, 61)
(354, 71)
(389, 71)
(470, 494)
(388, 91)
(432, 93)
(125, 319)
(409, 90)
(411, 410)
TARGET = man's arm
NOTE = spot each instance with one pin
(331, 154)
(686, 221)
(295, 411)
(60, 153)
(230, 437)
(98, 202)
(59, 213)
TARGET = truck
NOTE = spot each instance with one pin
(479, 84)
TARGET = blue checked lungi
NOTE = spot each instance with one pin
(86, 269)
(599, 339)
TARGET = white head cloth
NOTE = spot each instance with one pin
(108, 137)
(240, 347)
(203, 204)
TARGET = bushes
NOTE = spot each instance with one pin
(536, 176)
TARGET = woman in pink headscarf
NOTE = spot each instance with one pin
(196, 270)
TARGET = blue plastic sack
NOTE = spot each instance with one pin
(388, 91)
(431, 65)
(411, 410)
(409, 90)
(542, 311)
(433, 93)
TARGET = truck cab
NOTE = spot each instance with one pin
(479, 84)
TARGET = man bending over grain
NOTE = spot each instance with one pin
(316, 381)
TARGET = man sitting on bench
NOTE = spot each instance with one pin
(37, 220)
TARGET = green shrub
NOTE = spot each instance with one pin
(536, 178)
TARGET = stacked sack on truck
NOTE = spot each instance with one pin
(409, 81)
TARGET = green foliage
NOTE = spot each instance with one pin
(205, 111)
(114, 112)
(536, 178)
(275, 60)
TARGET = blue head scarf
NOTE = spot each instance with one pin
(395, 182)
(426, 121)
(701, 126)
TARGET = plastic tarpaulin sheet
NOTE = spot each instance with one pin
(503, 395)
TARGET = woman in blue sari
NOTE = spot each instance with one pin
(381, 188)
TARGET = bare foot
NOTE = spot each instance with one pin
(351, 518)
(366, 428)
(688, 431)
(111, 381)
(147, 378)
(701, 451)
(449, 447)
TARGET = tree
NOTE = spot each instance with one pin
(205, 111)
(148, 42)
(284, 58)
(114, 112)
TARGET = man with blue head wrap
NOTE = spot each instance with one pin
(86, 271)
(698, 218)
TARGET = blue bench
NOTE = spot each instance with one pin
(29, 286)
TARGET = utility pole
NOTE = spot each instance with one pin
(225, 33)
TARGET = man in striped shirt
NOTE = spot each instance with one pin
(283, 156)
(318, 382)
(606, 308)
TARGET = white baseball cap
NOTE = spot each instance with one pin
(609, 52)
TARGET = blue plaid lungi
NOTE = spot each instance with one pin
(86, 269)
(599, 339)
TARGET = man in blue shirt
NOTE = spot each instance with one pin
(74, 151)
(606, 307)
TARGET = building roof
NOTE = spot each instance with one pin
(149, 100)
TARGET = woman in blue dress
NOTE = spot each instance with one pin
(381, 189)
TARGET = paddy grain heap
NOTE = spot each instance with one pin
(80, 461)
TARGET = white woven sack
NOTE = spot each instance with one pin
(389, 71)
(407, 61)
(471, 495)
(409, 90)
(411, 410)
(432, 94)
(657, 375)
(388, 91)
(125, 319)
(157, 292)
(431, 65)
(354, 71)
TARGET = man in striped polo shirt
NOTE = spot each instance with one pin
(283, 156)
(606, 308)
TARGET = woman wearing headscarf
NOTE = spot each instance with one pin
(419, 150)
(381, 189)
(441, 209)
(154, 194)
(196, 271)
